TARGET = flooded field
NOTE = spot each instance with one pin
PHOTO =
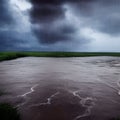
(62, 88)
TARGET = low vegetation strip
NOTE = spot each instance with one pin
(13, 55)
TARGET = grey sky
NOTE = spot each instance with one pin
(60, 25)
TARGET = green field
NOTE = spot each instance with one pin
(13, 55)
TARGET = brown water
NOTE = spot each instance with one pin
(62, 88)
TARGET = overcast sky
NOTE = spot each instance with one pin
(60, 25)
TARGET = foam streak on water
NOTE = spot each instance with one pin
(32, 89)
(83, 102)
(118, 83)
(49, 99)
(111, 86)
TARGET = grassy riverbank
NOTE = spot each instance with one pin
(13, 55)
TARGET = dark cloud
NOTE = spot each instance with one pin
(45, 13)
(6, 20)
(5, 14)
(50, 11)
(50, 35)
(12, 36)
(46, 10)
(13, 40)
(58, 2)
(57, 24)
(47, 2)
(110, 20)
(110, 25)
(14, 29)
(102, 15)
(8, 40)
(43, 9)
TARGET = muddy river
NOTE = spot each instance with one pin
(62, 88)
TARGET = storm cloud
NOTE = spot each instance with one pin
(14, 30)
(5, 17)
(101, 15)
(60, 25)
(6, 20)
(49, 20)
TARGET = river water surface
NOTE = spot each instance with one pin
(62, 88)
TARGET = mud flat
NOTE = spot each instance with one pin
(62, 88)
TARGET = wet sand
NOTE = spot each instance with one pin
(62, 88)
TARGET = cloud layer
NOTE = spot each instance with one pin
(101, 15)
(77, 25)
(5, 17)
(50, 23)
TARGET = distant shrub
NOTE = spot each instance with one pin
(7, 112)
